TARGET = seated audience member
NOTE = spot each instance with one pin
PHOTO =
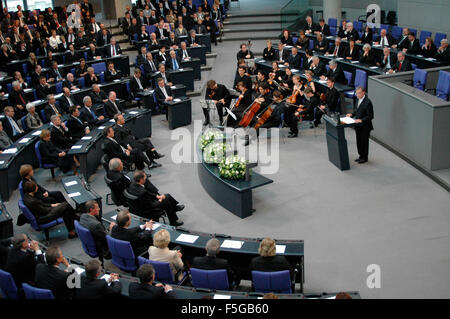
(139, 237)
(66, 100)
(153, 43)
(87, 114)
(98, 96)
(286, 38)
(136, 83)
(18, 99)
(22, 259)
(93, 287)
(294, 60)
(140, 59)
(112, 74)
(143, 35)
(321, 44)
(161, 252)
(443, 53)
(385, 39)
(428, 49)
(77, 128)
(125, 137)
(5, 141)
(212, 262)
(322, 28)
(103, 38)
(93, 53)
(113, 49)
(386, 61)
(241, 76)
(33, 120)
(184, 52)
(174, 62)
(366, 36)
(50, 276)
(317, 67)
(403, 41)
(335, 72)
(26, 173)
(164, 75)
(46, 212)
(119, 181)
(18, 77)
(302, 41)
(412, 46)
(59, 134)
(112, 107)
(36, 75)
(149, 199)
(43, 89)
(53, 155)
(72, 56)
(70, 82)
(367, 55)
(149, 68)
(192, 40)
(90, 78)
(268, 261)
(55, 74)
(145, 289)
(402, 64)
(337, 50)
(52, 108)
(331, 103)
(91, 220)
(162, 55)
(269, 51)
(172, 42)
(352, 52)
(244, 53)
(12, 128)
(113, 149)
(82, 69)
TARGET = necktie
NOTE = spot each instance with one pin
(399, 67)
(164, 77)
(175, 64)
(16, 129)
(335, 51)
(55, 110)
(93, 115)
(185, 55)
(152, 66)
(22, 99)
(113, 51)
(382, 42)
(115, 106)
(70, 101)
(163, 89)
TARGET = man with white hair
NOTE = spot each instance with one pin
(335, 72)
(402, 64)
(212, 262)
(18, 99)
(386, 60)
(52, 108)
(59, 134)
(316, 67)
(111, 106)
(98, 96)
(310, 27)
(385, 39)
(337, 50)
(70, 82)
(443, 53)
(88, 115)
(350, 32)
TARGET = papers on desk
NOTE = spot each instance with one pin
(280, 249)
(86, 138)
(100, 127)
(75, 90)
(37, 133)
(177, 100)
(27, 90)
(112, 121)
(373, 67)
(24, 140)
(430, 59)
(330, 37)
(2, 162)
(57, 96)
(354, 62)
(419, 55)
(262, 61)
(332, 297)
(155, 225)
(6, 95)
(376, 45)
(71, 183)
(10, 151)
(187, 238)
(281, 65)
(133, 112)
(116, 80)
(76, 147)
(106, 277)
(180, 69)
(79, 270)
(74, 194)
(235, 244)
(76, 62)
(339, 59)
(114, 217)
(347, 120)
(295, 70)
(323, 81)
(173, 87)
(217, 296)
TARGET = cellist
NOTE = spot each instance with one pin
(242, 103)
(278, 108)
(304, 112)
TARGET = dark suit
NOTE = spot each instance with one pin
(101, 39)
(50, 277)
(53, 196)
(48, 111)
(119, 182)
(43, 91)
(98, 97)
(164, 32)
(160, 97)
(77, 127)
(214, 263)
(87, 116)
(170, 64)
(93, 288)
(294, 61)
(145, 291)
(60, 138)
(269, 264)
(325, 30)
(92, 55)
(246, 79)
(45, 213)
(98, 232)
(405, 66)
(220, 93)
(354, 54)
(21, 265)
(112, 149)
(134, 86)
(9, 130)
(337, 74)
(367, 38)
(269, 55)
(138, 238)
(365, 113)
(321, 46)
(18, 98)
(318, 70)
(369, 59)
(444, 56)
(108, 50)
(412, 48)
(110, 110)
(67, 84)
(143, 36)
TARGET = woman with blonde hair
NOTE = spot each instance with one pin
(268, 261)
(33, 120)
(161, 252)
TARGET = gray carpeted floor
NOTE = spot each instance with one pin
(384, 212)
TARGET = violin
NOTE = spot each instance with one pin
(293, 98)
(236, 105)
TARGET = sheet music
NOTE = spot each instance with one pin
(235, 244)
(71, 183)
(347, 120)
(280, 249)
(74, 194)
(187, 238)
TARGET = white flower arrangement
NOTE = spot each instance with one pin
(233, 167)
(214, 153)
(209, 137)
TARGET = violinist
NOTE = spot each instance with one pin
(242, 103)
(277, 71)
(286, 80)
(220, 95)
(297, 91)
(329, 102)
(242, 77)
(304, 112)
(260, 78)
(309, 81)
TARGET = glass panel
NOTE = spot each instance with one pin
(38, 4)
(293, 14)
(12, 5)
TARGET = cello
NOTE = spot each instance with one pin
(251, 111)
(265, 115)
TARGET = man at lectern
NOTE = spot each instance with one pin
(363, 115)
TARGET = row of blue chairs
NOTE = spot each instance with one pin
(442, 90)
(8, 289)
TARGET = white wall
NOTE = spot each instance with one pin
(430, 15)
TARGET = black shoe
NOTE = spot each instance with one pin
(108, 256)
(154, 165)
(158, 155)
(177, 223)
(357, 160)
(180, 207)
(291, 135)
(205, 123)
(73, 236)
(247, 141)
(311, 126)
(362, 161)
